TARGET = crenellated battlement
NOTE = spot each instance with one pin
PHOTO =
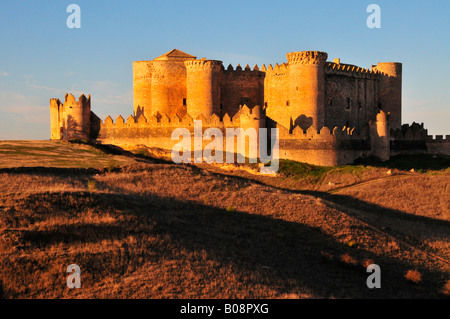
(307, 57)
(438, 144)
(163, 120)
(413, 132)
(332, 68)
(278, 67)
(203, 64)
(325, 133)
(70, 98)
(275, 71)
(438, 138)
(325, 146)
(239, 70)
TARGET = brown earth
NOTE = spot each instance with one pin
(145, 228)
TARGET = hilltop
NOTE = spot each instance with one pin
(140, 226)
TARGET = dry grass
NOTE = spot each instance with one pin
(406, 193)
(413, 206)
(446, 288)
(57, 154)
(413, 276)
(348, 259)
(179, 231)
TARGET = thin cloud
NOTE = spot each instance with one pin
(109, 93)
(55, 91)
(23, 111)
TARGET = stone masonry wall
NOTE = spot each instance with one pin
(239, 87)
(438, 145)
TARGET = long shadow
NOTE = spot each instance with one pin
(50, 171)
(407, 162)
(116, 150)
(280, 254)
(381, 213)
(351, 202)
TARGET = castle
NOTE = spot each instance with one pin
(327, 113)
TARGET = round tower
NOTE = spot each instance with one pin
(380, 136)
(307, 87)
(142, 88)
(203, 87)
(390, 91)
(168, 87)
(77, 117)
(251, 120)
(252, 117)
(161, 85)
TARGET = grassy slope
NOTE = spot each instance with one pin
(56, 154)
(158, 230)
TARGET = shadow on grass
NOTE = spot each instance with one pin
(408, 162)
(50, 171)
(390, 218)
(264, 251)
(116, 150)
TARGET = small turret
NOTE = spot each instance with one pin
(252, 117)
(71, 120)
(380, 136)
(56, 109)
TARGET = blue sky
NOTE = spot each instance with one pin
(40, 58)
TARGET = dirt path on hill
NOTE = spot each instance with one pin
(368, 219)
(365, 183)
(418, 233)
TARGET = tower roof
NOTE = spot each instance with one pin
(175, 55)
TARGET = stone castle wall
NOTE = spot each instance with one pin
(321, 147)
(350, 95)
(438, 145)
(276, 94)
(241, 86)
(157, 131)
(324, 147)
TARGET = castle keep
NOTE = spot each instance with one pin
(327, 113)
(306, 91)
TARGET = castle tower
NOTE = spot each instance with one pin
(380, 137)
(203, 87)
(168, 83)
(142, 88)
(77, 117)
(390, 91)
(56, 114)
(252, 117)
(164, 88)
(307, 86)
(251, 120)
